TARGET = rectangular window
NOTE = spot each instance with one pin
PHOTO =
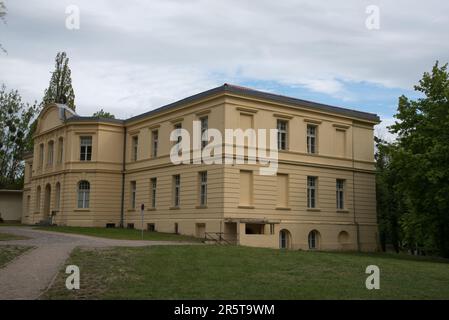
(282, 134)
(203, 188)
(282, 190)
(135, 146)
(85, 148)
(311, 138)
(176, 190)
(153, 192)
(178, 128)
(41, 155)
(246, 188)
(154, 143)
(133, 194)
(340, 190)
(311, 192)
(50, 153)
(204, 127)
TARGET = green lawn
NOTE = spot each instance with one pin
(230, 272)
(8, 236)
(121, 233)
(8, 253)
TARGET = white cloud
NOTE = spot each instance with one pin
(145, 53)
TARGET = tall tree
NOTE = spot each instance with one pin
(2, 18)
(103, 114)
(60, 88)
(16, 117)
(420, 160)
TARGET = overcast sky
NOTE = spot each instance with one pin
(129, 57)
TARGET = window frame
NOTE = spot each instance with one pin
(312, 192)
(340, 194)
(154, 143)
(86, 154)
(204, 120)
(176, 190)
(203, 188)
(133, 194)
(134, 147)
(83, 194)
(153, 188)
(282, 136)
(312, 139)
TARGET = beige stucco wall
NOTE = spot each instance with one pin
(10, 205)
(345, 151)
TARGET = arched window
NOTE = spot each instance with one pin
(38, 199)
(57, 195)
(83, 194)
(284, 239)
(314, 238)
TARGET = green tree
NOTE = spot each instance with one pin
(15, 117)
(420, 161)
(60, 88)
(103, 114)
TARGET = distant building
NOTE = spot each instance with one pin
(11, 205)
(88, 171)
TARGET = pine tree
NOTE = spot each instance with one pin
(60, 88)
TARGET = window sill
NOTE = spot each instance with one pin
(246, 207)
(313, 209)
(82, 210)
(151, 209)
(201, 207)
(174, 208)
(131, 210)
(342, 211)
(283, 208)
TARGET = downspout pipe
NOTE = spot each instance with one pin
(122, 209)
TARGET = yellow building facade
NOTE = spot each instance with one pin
(88, 171)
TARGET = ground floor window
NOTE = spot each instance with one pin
(83, 194)
(314, 239)
(284, 239)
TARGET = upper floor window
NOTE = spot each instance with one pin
(204, 127)
(135, 146)
(133, 194)
(41, 155)
(203, 188)
(83, 194)
(311, 192)
(176, 190)
(50, 153)
(311, 138)
(340, 190)
(153, 192)
(282, 134)
(154, 143)
(60, 149)
(86, 148)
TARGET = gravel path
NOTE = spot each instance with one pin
(29, 274)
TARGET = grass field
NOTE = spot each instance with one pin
(8, 253)
(229, 272)
(120, 233)
(8, 236)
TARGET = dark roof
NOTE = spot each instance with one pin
(242, 91)
(95, 119)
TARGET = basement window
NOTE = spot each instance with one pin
(254, 228)
(110, 225)
(151, 227)
(130, 225)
